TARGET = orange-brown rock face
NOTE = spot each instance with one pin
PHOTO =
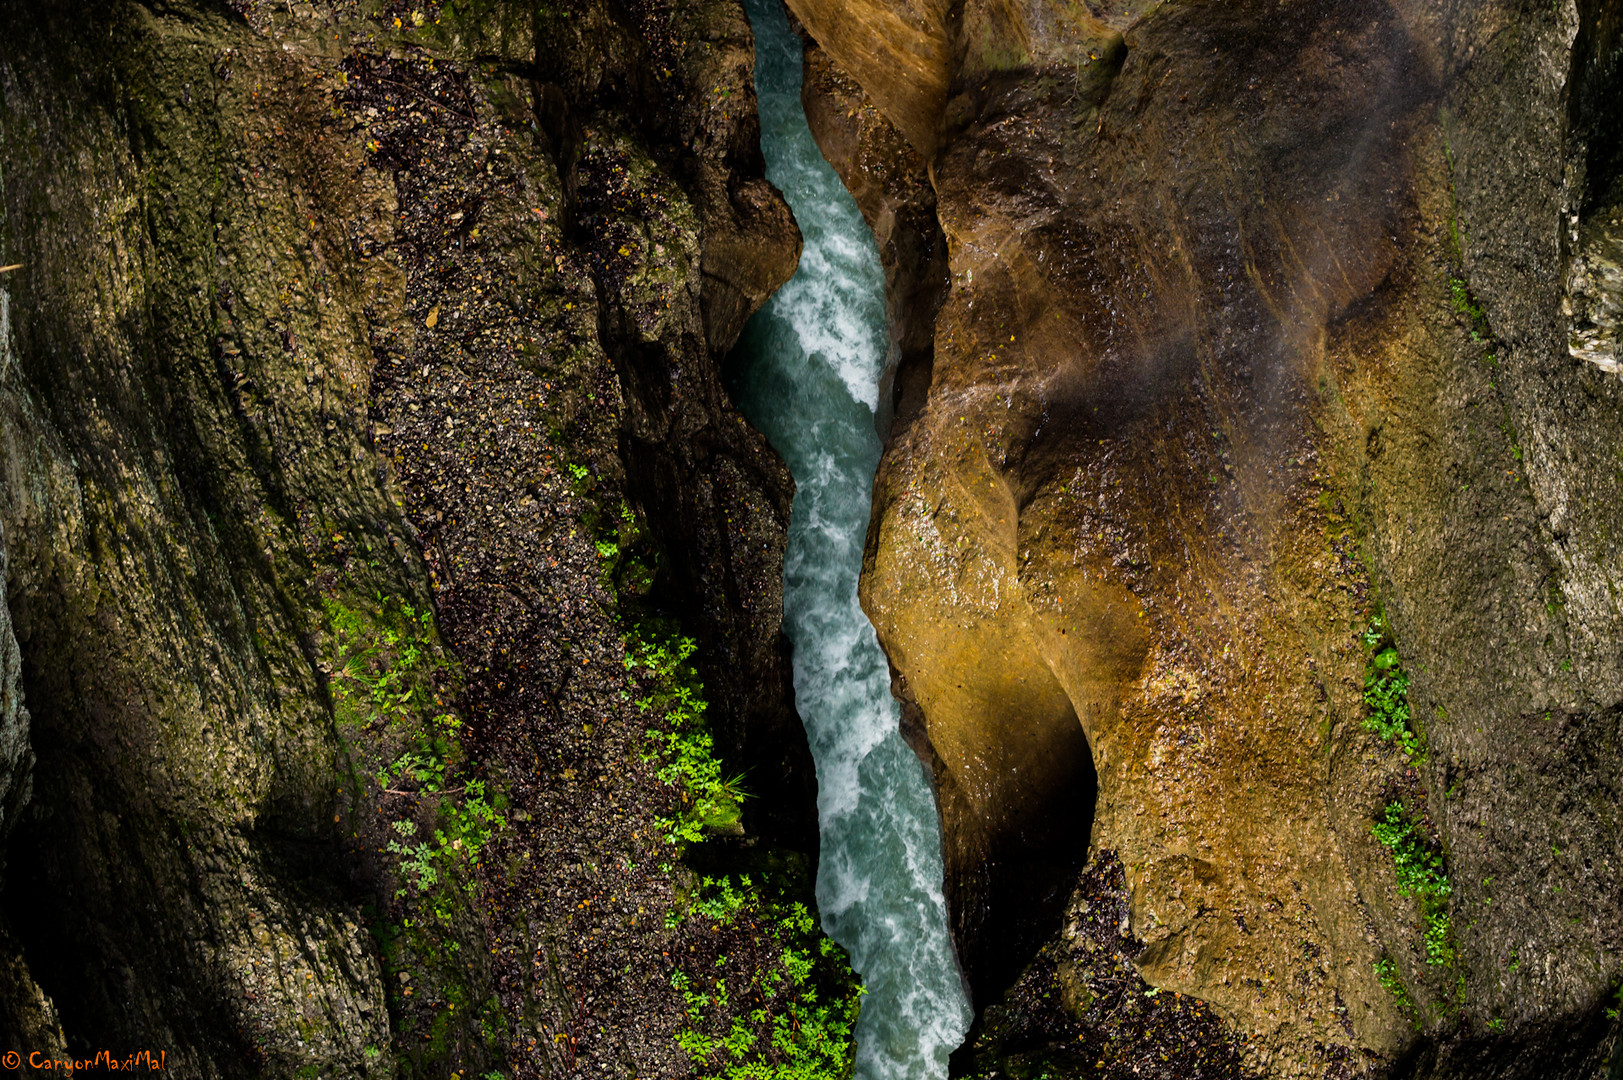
(1253, 331)
(891, 184)
(898, 50)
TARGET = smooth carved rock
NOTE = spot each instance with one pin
(1202, 395)
(890, 182)
(900, 51)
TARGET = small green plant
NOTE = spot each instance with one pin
(391, 684)
(1386, 690)
(725, 901)
(388, 662)
(416, 859)
(710, 801)
(1386, 973)
(1497, 1024)
(1461, 300)
(1421, 875)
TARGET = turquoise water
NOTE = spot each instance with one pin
(806, 373)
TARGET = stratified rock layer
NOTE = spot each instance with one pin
(1255, 329)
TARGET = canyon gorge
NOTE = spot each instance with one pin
(878, 538)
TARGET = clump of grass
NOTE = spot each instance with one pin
(1461, 300)
(1416, 858)
(1466, 305)
(388, 663)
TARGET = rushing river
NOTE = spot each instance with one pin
(806, 373)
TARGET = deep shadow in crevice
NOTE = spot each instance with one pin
(1034, 853)
(1010, 871)
(1596, 102)
(704, 496)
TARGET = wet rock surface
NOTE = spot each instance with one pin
(1082, 1008)
(1255, 332)
(891, 183)
(16, 758)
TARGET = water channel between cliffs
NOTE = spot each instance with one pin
(806, 373)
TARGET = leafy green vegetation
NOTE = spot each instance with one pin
(784, 1008)
(710, 801)
(1421, 875)
(415, 803)
(621, 550)
(1386, 690)
(388, 685)
(1416, 857)
(1387, 973)
(1466, 305)
(805, 995)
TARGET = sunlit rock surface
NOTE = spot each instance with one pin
(1594, 301)
(1255, 327)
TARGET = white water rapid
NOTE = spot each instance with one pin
(806, 373)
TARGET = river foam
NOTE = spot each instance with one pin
(806, 373)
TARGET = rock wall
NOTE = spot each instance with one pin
(330, 314)
(1255, 352)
